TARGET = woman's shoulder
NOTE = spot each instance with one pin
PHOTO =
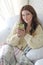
(39, 27)
(38, 30)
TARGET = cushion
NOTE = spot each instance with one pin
(35, 54)
(39, 62)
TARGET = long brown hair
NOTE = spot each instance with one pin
(35, 21)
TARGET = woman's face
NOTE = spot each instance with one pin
(27, 16)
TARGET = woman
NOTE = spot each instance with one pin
(31, 36)
(32, 28)
(29, 39)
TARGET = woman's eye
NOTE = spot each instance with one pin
(25, 14)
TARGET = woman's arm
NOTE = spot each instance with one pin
(12, 33)
(35, 41)
(14, 40)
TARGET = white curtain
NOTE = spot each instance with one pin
(9, 8)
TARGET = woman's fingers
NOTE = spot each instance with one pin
(21, 32)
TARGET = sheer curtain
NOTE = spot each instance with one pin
(9, 8)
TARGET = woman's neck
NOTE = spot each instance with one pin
(28, 28)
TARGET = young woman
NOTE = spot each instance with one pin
(28, 40)
(31, 36)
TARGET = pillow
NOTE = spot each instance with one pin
(35, 54)
(5, 33)
(12, 21)
(39, 62)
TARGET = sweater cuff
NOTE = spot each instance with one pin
(14, 40)
(28, 38)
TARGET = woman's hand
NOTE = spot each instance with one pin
(21, 32)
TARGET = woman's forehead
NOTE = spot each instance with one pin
(25, 11)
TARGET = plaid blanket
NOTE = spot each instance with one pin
(10, 55)
(7, 56)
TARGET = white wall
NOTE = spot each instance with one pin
(38, 6)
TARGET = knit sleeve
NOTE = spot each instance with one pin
(14, 40)
(28, 38)
(12, 33)
(35, 41)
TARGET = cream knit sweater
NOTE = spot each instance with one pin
(35, 41)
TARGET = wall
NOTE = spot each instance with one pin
(38, 6)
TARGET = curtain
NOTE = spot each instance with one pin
(9, 8)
